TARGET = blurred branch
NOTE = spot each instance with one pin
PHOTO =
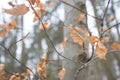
(109, 28)
(9, 52)
(83, 66)
(60, 54)
(23, 38)
(78, 9)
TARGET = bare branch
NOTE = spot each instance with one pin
(60, 54)
(9, 52)
(23, 38)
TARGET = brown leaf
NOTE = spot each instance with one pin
(93, 39)
(115, 46)
(17, 10)
(52, 4)
(46, 25)
(63, 43)
(26, 74)
(8, 27)
(105, 39)
(40, 13)
(76, 36)
(80, 17)
(112, 18)
(41, 67)
(79, 29)
(34, 1)
(41, 6)
(2, 66)
(101, 50)
(12, 24)
(15, 77)
(61, 73)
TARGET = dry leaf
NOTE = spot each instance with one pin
(15, 77)
(12, 24)
(105, 39)
(41, 67)
(52, 4)
(38, 12)
(63, 43)
(79, 29)
(76, 36)
(17, 10)
(93, 39)
(80, 17)
(46, 25)
(112, 18)
(8, 27)
(61, 73)
(2, 66)
(11, 4)
(34, 1)
(115, 46)
(101, 50)
(41, 6)
(26, 74)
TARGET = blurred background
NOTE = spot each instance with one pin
(60, 15)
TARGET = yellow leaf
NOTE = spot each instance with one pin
(46, 25)
(101, 50)
(17, 10)
(93, 39)
(76, 36)
(61, 73)
(115, 46)
(80, 17)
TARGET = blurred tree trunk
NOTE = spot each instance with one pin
(73, 50)
(54, 64)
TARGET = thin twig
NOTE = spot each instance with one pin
(19, 40)
(78, 9)
(106, 10)
(9, 52)
(109, 28)
(48, 35)
(83, 66)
